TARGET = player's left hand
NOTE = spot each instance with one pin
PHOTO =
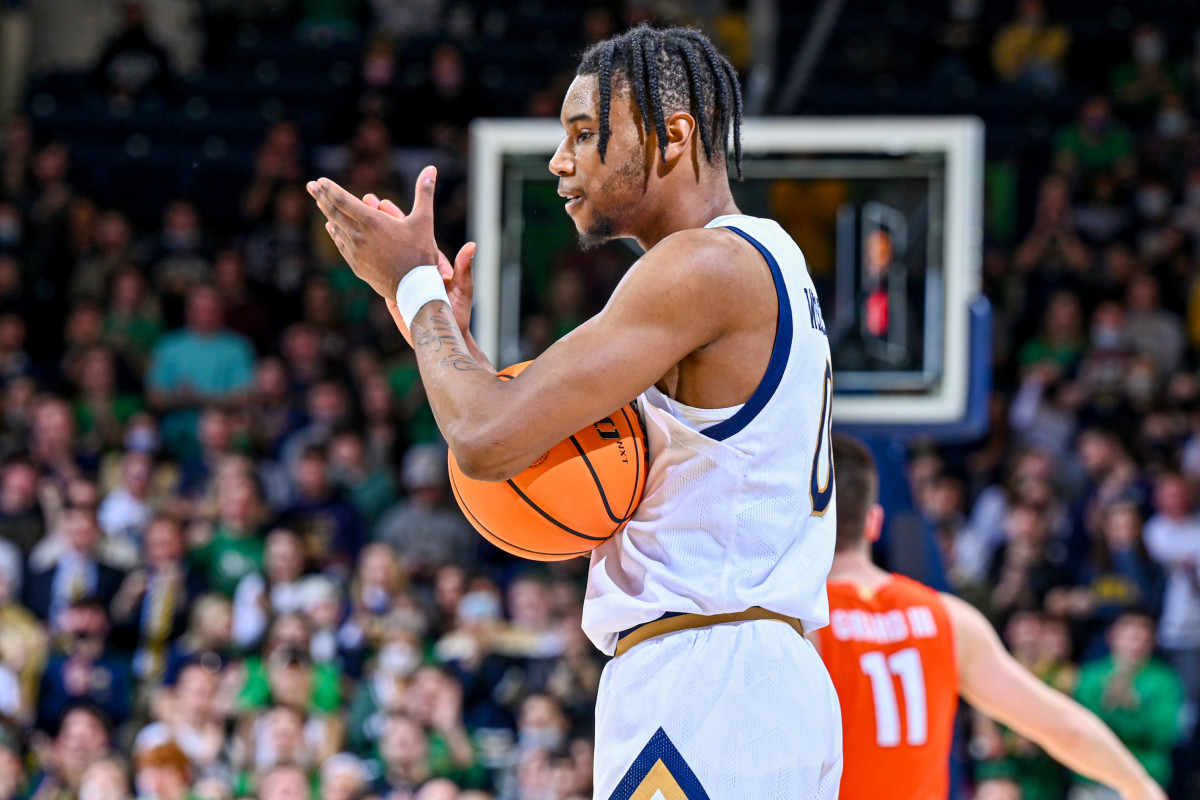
(459, 276)
(380, 248)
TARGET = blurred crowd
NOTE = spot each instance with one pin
(230, 565)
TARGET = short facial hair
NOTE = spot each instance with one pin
(602, 231)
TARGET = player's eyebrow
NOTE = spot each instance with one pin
(579, 118)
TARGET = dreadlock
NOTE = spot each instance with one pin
(669, 70)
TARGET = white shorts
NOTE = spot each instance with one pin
(740, 711)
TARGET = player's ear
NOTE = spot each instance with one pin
(681, 126)
(874, 527)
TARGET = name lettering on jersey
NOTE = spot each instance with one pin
(815, 318)
(890, 627)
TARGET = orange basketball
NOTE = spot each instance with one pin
(566, 503)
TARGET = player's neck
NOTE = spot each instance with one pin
(856, 567)
(693, 205)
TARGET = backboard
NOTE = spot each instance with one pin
(888, 212)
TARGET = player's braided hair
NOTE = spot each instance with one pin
(669, 70)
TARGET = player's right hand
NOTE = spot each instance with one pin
(459, 277)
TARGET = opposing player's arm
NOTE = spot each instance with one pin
(993, 682)
(679, 297)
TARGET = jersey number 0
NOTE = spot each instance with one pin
(820, 488)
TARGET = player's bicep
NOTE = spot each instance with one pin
(645, 330)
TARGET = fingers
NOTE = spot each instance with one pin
(464, 262)
(444, 268)
(370, 200)
(423, 194)
(339, 206)
(388, 207)
(339, 238)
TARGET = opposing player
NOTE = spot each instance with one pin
(717, 332)
(901, 654)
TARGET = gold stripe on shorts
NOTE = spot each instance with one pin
(683, 622)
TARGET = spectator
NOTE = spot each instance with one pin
(125, 512)
(1154, 332)
(22, 520)
(1059, 346)
(379, 599)
(23, 644)
(1000, 789)
(203, 364)
(208, 638)
(1096, 143)
(1119, 575)
(133, 320)
(110, 253)
(278, 589)
(343, 777)
(285, 782)
(245, 311)
(77, 574)
(163, 772)
(1029, 51)
(285, 673)
(1172, 538)
(133, 63)
(277, 254)
(1140, 85)
(370, 486)
(151, 608)
(235, 547)
(85, 670)
(195, 719)
(1023, 569)
(102, 410)
(328, 524)
(277, 164)
(425, 528)
(1053, 244)
(83, 738)
(1135, 695)
(52, 444)
(106, 779)
(403, 756)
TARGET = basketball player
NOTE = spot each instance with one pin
(901, 654)
(716, 331)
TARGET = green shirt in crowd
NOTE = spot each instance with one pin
(228, 558)
(1148, 722)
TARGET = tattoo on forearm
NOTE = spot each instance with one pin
(440, 334)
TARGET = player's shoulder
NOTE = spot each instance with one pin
(972, 631)
(714, 251)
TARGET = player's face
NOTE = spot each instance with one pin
(603, 198)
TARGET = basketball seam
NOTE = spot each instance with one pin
(539, 510)
(596, 480)
(490, 532)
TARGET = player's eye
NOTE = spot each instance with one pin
(584, 136)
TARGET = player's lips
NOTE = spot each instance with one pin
(573, 198)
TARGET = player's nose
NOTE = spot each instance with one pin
(562, 164)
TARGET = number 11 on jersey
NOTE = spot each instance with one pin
(905, 664)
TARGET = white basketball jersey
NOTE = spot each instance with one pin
(740, 512)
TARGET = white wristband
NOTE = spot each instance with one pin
(418, 287)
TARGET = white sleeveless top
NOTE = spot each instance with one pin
(739, 508)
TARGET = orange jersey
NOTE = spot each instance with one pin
(891, 656)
